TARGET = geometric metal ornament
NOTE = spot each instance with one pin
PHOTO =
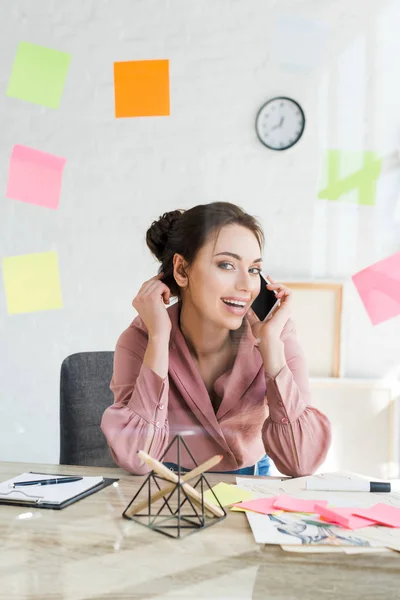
(173, 513)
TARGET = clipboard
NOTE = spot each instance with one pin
(37, 503)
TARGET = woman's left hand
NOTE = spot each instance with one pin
(273, 325)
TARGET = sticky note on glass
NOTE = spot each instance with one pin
(291, 504)
(342, 516)
(265, 506)
(32, 282)
(384, 514)
(379, 288)
(227, 494)
(35, 177)
(301, 43)
(350, 176)
(141, 88)
(38, 74)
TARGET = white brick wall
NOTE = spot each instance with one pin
(122, 173)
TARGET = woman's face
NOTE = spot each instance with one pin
(227, 272)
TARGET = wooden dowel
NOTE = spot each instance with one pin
(163, 471)
(199, 470)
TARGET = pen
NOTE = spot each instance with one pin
(346, 485)
(52, 481)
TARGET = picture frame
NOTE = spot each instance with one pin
(317, 313)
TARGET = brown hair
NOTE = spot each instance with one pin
(186, 231)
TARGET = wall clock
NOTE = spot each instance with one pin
(280, 123)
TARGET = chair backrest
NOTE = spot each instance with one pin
(84, 396)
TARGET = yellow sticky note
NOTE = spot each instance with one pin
(227, 494)
(32, 282)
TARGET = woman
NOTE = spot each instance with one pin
(205, 369)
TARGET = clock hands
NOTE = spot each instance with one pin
(279, 124)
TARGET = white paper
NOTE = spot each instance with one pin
(289, 529)
(387, 536)
(45, 494)
(344, 549)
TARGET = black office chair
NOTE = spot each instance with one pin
(84, 396)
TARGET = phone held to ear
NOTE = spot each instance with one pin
(266, 302)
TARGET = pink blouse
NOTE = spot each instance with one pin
(258, 413)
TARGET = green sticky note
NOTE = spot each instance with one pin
(32, 282)
(227, 494)
(38, 74)
(350, 176)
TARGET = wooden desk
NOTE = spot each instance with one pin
(89, 551)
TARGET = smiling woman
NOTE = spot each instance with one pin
(206, 365)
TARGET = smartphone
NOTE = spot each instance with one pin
(266, 301)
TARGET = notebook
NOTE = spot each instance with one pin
(55, 496)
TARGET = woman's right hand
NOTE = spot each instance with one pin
(149, 303)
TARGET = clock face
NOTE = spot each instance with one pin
(280, 123)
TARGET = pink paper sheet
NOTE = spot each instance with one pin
(380, 513)
(291, 504)
(379, 288)
(342, 516)
(35, 177)
(264, 506)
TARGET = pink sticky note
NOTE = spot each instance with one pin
(380, 513)
(35, 177)
(379, 288)
(264, 506)
(342, 516)
(290, 504)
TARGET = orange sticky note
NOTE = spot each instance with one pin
(141, 88)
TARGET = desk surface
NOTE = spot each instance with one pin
(88, 550)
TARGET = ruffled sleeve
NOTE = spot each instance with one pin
(138, 418)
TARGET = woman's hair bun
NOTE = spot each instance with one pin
(158, 233)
